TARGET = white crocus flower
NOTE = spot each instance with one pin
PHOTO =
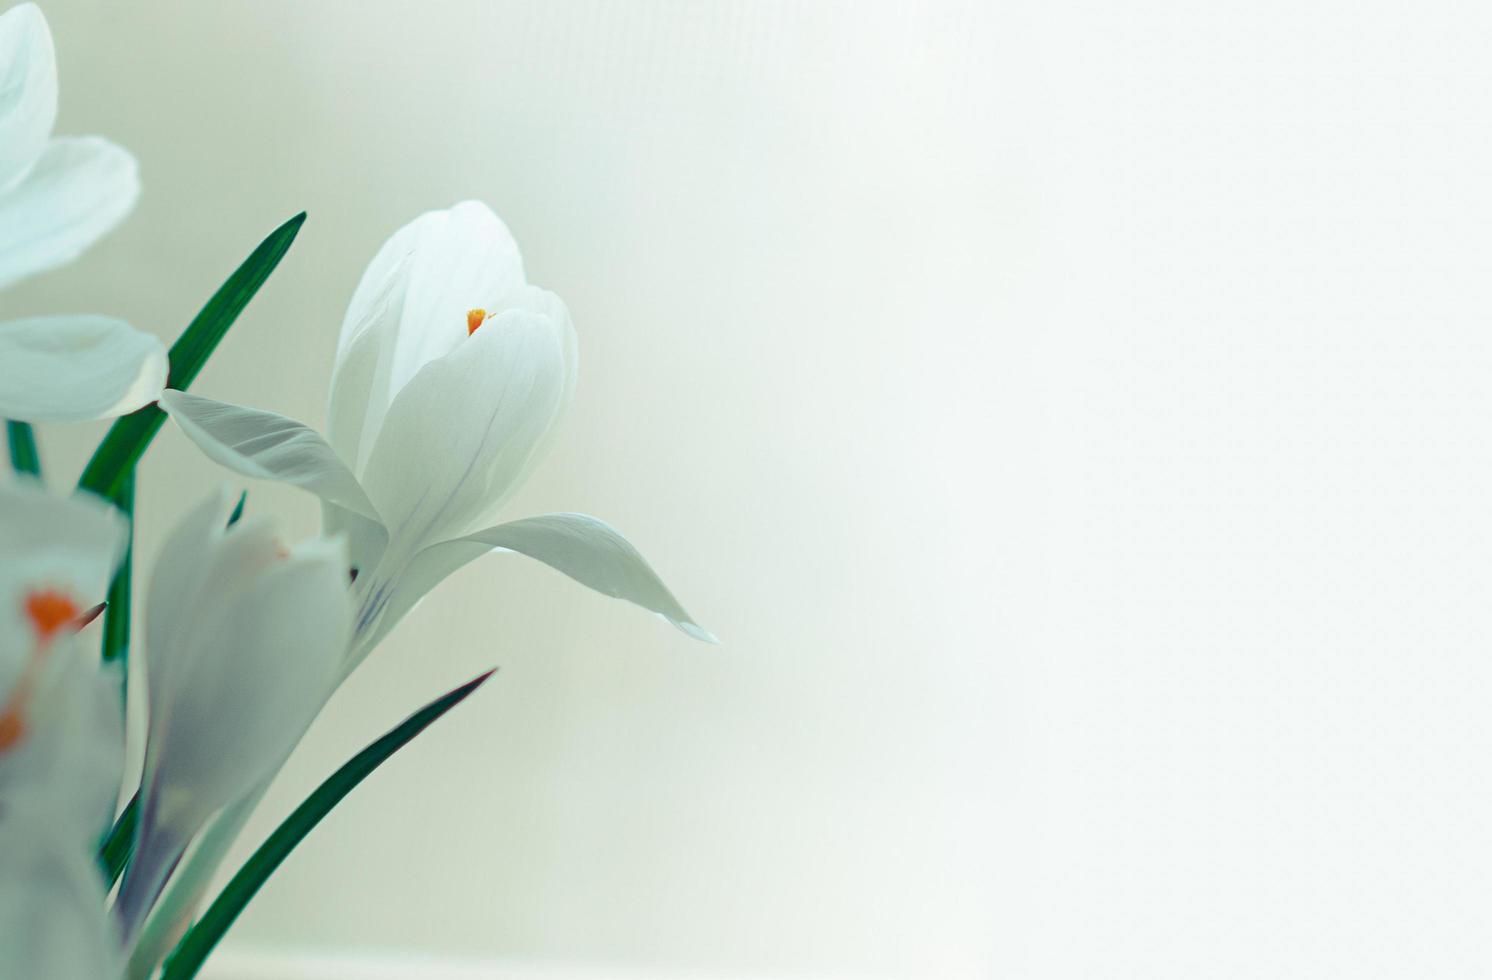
(451, 374)
(59, 195)
(243, 642)
(61, 735)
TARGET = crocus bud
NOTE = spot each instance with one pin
(243, 641)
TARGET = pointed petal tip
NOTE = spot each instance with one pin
(697, 631)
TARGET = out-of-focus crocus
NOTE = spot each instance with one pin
(451, 374)
(243, 641)
(61, 735)
(53, 921)
(58, 195)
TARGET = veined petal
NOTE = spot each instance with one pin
(267, 446)
(71, 368)
(588, 550)
(465, 432)
(409, 309)
(76, 192)
(366, 538)
(28, 89)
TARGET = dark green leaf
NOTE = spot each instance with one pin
(127, 438)
(200, 940)
(117, 612)
(117, 848)
(23, 455)
(243, 498)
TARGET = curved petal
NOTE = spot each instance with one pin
(71, 368)
(78, 190)
(52, 543)
(260, 668)
(70, 761)
(28, 89)
(410, 309)
(588, 550)
(53, 921)
(180, 568)
(267, 446)
(365, 538)
(466, 431)
(245, 678)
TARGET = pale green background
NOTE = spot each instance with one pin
(776, 227)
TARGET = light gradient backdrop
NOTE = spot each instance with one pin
(1075, 418)
(777, 229)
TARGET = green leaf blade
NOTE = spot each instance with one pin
(117, 610)
(119, 846)
(24, 457)
(203, 937)
(128, 437)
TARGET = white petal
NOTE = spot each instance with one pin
(203, 567)
(53, 922)
(261, 669)
(70, 761)
(239, 668)
(71, 368)
(78, 191)
(48, 541)
(366, 539)
(466, 431)
(409, 309)
(588, 550)
(28, 89)
(267, 446)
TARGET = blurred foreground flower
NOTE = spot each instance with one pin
(244, 639)
(451, 374)
(61, 734)
(59, 195)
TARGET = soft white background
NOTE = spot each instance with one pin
(1073, 417)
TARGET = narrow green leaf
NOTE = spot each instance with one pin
(200, 940)
(117, 610)
(119, 846)
(23, 455)
(127, 438)
(243, 498)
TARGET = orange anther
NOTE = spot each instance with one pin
(49, 610)
(474, 319)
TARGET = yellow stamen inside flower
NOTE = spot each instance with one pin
(474, 319)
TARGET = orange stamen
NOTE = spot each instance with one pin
(12, 728)
(474, 319)
(49, 610)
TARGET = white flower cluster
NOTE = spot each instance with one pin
(451, 374)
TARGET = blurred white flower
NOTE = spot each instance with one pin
(71, 368)
(59, 195)
(243, 642)
(61, 734)
(451, 374)
(53, 921)
(60, 726)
